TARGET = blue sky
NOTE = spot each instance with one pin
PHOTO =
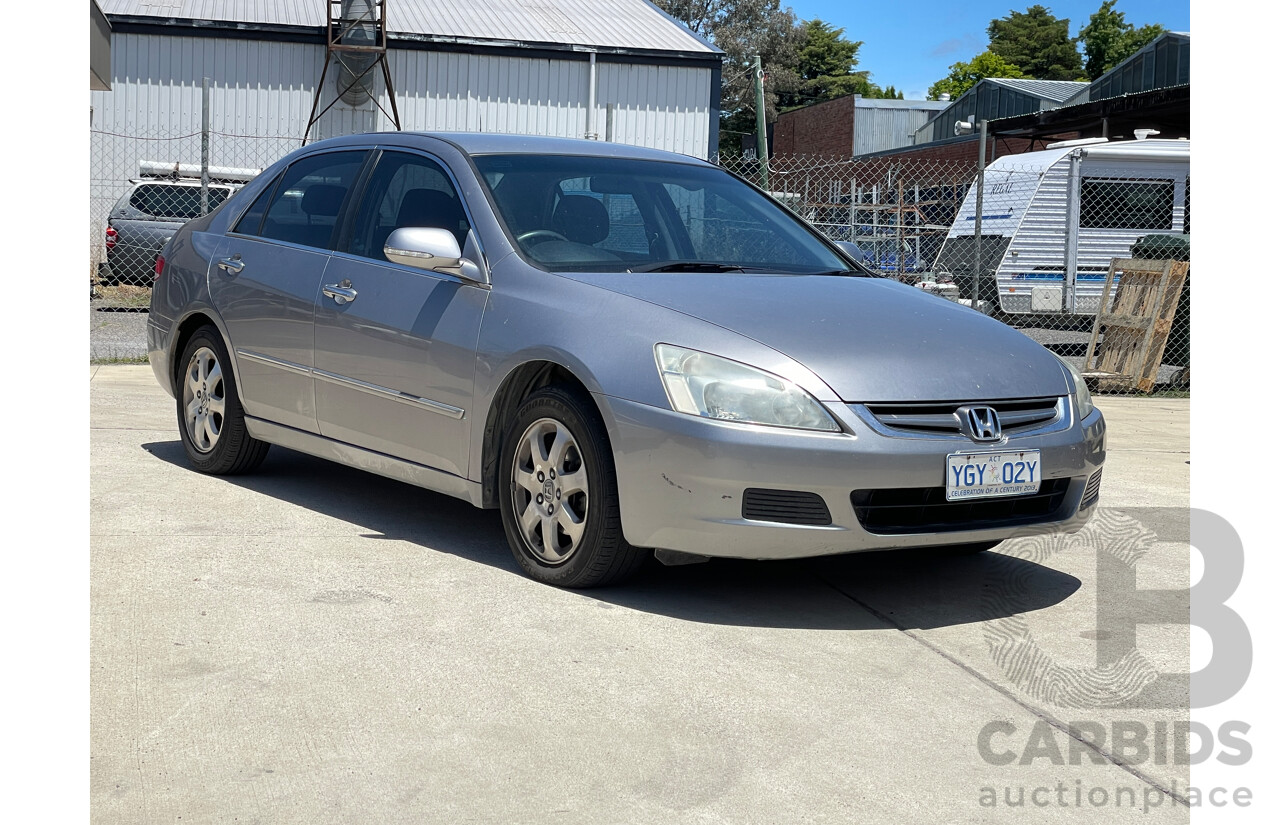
(911, 45)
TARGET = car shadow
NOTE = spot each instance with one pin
(863, 591)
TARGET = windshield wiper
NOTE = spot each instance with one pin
(690, 266)
(856, 273)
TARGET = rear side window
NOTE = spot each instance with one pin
(174, 202)
(303, 207)
(1108, 203)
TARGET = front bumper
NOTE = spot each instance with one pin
(681, 480)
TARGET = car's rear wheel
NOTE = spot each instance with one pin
(559, 494)
(210, 418)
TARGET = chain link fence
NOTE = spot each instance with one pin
(142, 188)
(1036, 246)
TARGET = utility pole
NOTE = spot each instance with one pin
(762, 137)
(204, 146)
(977, 217)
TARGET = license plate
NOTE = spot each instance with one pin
(991, 475)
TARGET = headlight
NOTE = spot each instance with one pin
(714, 387)
(1084, 401)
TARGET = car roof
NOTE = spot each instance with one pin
(486, 143)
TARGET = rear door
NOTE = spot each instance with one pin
(265, 278)
(395, 365)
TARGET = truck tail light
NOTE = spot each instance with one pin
(111, 238)
(159, 266)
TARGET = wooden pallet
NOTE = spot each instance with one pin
(1131, 331)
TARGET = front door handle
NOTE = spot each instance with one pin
(232, 265)
(341, 293)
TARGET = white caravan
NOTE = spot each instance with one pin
(1053, 220)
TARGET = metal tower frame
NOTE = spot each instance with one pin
(339, 27)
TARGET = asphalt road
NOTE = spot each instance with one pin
(313, 644)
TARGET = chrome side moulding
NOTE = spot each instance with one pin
(418, 402)
(288, 366)
(394, 395)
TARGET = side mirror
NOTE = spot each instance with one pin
(852, 250)
(432, 249)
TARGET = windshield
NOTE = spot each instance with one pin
(618, 214)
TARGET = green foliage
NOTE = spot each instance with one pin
(963, 76)
(1107, 39)
(825, 52)
(744, 29)
(803, 63)
(827, 68)
(1037, 43)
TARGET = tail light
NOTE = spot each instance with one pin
(159, 266)
(111, 238)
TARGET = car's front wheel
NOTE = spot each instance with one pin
(559, 496)
(210, 418)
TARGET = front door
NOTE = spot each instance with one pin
(395, 346)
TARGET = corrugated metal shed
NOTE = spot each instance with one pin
(621, 24)
(879, 125)
(493, 66)
(992, 98)
(1053, 90)
(1163, 63)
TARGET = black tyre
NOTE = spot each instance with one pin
(210, 418)
(559, 494)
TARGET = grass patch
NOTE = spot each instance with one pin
(120, 359)
(125, 295)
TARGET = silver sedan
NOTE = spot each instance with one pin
(623, 350)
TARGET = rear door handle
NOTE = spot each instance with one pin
(232, 265)
(340, 293)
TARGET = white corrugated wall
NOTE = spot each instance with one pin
(262, 94)
(266, 89)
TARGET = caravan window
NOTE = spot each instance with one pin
(1111, 203)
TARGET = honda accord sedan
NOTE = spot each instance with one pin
(626, 352)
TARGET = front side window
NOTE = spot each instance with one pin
(1112, 203)
(303, 207)
(621, 214)
(405, 190)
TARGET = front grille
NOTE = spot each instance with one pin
(940, 418)
(785, 507)
(926, 509)
(1092, 490)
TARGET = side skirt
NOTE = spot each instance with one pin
(361, 459)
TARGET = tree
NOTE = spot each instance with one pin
(1107, 39)
(743, 29)
(826, 65)
(1037, 43)
(964, 76)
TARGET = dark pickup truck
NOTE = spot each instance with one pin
(144, 219)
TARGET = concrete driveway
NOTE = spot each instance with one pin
(312, 644)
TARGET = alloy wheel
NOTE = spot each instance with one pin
(204, 399)
(549, 491)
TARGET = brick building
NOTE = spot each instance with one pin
(850, 126)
